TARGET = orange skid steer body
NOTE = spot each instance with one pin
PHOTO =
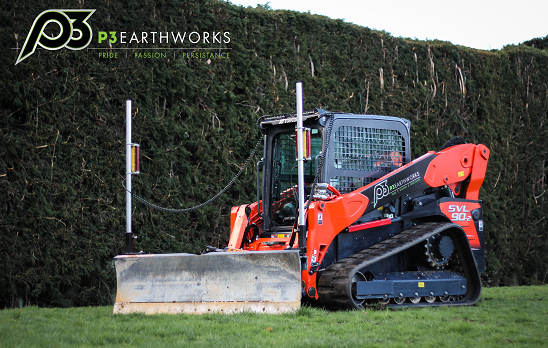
(378, 227)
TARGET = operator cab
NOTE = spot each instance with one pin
(361, 149)
(283, 187)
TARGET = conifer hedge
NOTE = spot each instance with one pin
(62, 133)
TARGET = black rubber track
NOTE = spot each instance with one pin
(335, 283)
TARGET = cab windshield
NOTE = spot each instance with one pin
(283, 209)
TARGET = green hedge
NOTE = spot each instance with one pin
(62, 133)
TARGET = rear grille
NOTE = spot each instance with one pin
(371, 151)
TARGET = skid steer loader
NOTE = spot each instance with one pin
(352, 221)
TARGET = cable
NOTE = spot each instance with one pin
(169, 210)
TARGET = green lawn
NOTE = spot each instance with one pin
(516, 316)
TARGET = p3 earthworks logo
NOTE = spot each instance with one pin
(75, 33)
(382, 189)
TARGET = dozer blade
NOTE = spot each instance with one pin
(227, 282)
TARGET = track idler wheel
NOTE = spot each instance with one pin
(415, 299)
(445, 298)
(384, 300)
(430, 299)
(358, 277)
(399, 300)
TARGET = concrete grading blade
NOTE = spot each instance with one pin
(227, 282)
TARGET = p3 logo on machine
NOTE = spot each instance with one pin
(382, 189)
(75, 33)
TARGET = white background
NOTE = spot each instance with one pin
(478, 24)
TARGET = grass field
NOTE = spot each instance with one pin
(516, 316)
